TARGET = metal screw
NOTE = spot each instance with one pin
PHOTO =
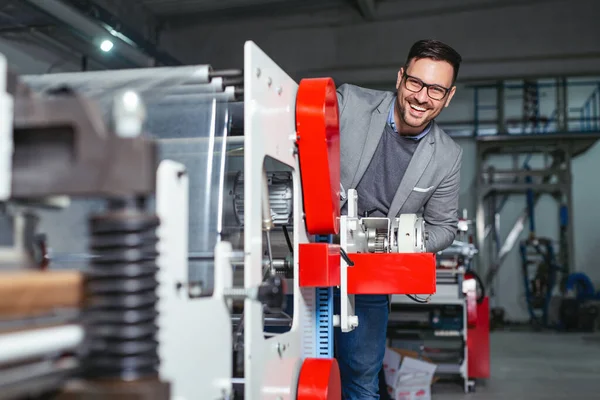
(269, 81)
(258, 72)
(279, 90)
(240, 293)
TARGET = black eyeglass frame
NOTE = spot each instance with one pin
(425, 85)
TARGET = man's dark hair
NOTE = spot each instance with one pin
(435, 50)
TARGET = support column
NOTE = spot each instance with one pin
(561, 105)
(500, 108)
(568, 189)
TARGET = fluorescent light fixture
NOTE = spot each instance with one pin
(106, 45)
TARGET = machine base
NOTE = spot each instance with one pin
(139, 390)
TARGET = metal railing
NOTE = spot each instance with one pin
(577, 112)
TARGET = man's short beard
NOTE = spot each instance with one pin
(402, 113)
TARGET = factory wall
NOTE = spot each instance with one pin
(497, 39)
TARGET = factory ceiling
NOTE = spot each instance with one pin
(84, 29)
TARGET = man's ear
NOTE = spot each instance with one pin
(450, 95)
(399, 80)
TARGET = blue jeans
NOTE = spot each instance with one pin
(360, 352)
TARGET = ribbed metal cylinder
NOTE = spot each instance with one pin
(121, 287)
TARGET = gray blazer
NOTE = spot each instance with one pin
(431, 183)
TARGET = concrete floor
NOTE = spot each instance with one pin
(536, 366)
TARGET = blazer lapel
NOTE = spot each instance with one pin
(415, 169)
(378, 121)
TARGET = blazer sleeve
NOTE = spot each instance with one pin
(441, 211)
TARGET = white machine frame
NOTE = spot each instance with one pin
(6, 129)
(271, 365)
(178, 338)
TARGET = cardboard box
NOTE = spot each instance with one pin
(407, 378)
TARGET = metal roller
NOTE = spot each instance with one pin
(409, 234)
(193, 74)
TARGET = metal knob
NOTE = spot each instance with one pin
(272, 294)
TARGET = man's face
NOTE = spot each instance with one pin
(416, 110)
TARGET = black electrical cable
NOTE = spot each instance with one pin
(481, 295)
(287, 238)
(346, 258)
(416, 299)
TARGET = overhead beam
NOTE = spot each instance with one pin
(133, 15)
(367, 9)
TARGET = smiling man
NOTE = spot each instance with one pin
(399, 161)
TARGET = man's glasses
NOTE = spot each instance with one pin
(415, 85)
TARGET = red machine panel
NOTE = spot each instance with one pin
(392, 273)
(319, 265)
(372, 273)
(317, 126)
(478, 342)
(319, 380)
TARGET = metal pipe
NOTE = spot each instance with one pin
(268, 321)
(193, 74)
(215, 85)
(227, 95)
(26, 345)
(231, 140)
(227, 73)
(95, 32)
(521, 86)
(24, 380)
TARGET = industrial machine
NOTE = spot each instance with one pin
(452, 328)
(214, 244)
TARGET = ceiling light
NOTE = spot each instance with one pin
(106, 45)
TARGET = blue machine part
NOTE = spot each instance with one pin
(530, 203)
(564, 216)
(547, 250)
(324, 323)
(582, 284)
(324, 315)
